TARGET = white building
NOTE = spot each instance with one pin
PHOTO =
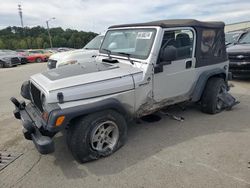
(237, 26)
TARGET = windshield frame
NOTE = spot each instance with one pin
(243, 36)
(154, 29)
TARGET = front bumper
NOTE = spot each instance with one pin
(32, 125)
(241, 69)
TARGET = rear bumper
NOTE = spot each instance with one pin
(32, 128)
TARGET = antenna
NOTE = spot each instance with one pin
(20, 14)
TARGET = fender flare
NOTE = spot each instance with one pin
(202, 81)
(81, 110)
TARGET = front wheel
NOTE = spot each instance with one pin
(211, 102)
(38, 60)
(97, 135)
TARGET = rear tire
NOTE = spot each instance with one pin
(38, 60)
(96, 135)
(210, 101)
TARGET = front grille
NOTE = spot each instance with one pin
(36, 96)
(239, 66)
(15, 61)
(51, 64)
(239, 57)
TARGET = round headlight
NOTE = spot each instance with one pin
(25, 90)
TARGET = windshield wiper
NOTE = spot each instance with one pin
(109, 60)
(128, 55)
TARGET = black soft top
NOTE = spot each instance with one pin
(175, 23)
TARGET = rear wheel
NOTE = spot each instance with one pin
(38, 60)
(97, 135)
(211, 102)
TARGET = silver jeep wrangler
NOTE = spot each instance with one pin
(140, 69)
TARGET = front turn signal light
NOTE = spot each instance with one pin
(59, 121)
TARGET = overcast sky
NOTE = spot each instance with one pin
(97, 15)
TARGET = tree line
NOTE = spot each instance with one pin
(37, 37)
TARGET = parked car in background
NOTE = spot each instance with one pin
(239, 56)
(22, 58)
(47, 52)
(87, 53)
(37, 56)
(8, 60)
(233, 37)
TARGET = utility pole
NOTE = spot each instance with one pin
(47, 23)
(20, 14)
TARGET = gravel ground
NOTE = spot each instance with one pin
(203, 151)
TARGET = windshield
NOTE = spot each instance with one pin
(245, 39)
(95, 43)
(136, 43)
(232, 37)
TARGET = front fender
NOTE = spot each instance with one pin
(77, 111)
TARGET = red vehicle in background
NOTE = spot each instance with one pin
(37, 56)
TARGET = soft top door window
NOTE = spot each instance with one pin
(182, 40)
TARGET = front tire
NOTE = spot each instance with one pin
(210, 101)
(97, 135)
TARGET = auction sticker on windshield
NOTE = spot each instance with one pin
(144, 35)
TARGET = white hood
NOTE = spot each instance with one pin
(86, 81)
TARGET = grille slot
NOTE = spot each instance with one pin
(36, 96)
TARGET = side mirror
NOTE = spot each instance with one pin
(168, 54)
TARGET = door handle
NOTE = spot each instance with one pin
(188, 64)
